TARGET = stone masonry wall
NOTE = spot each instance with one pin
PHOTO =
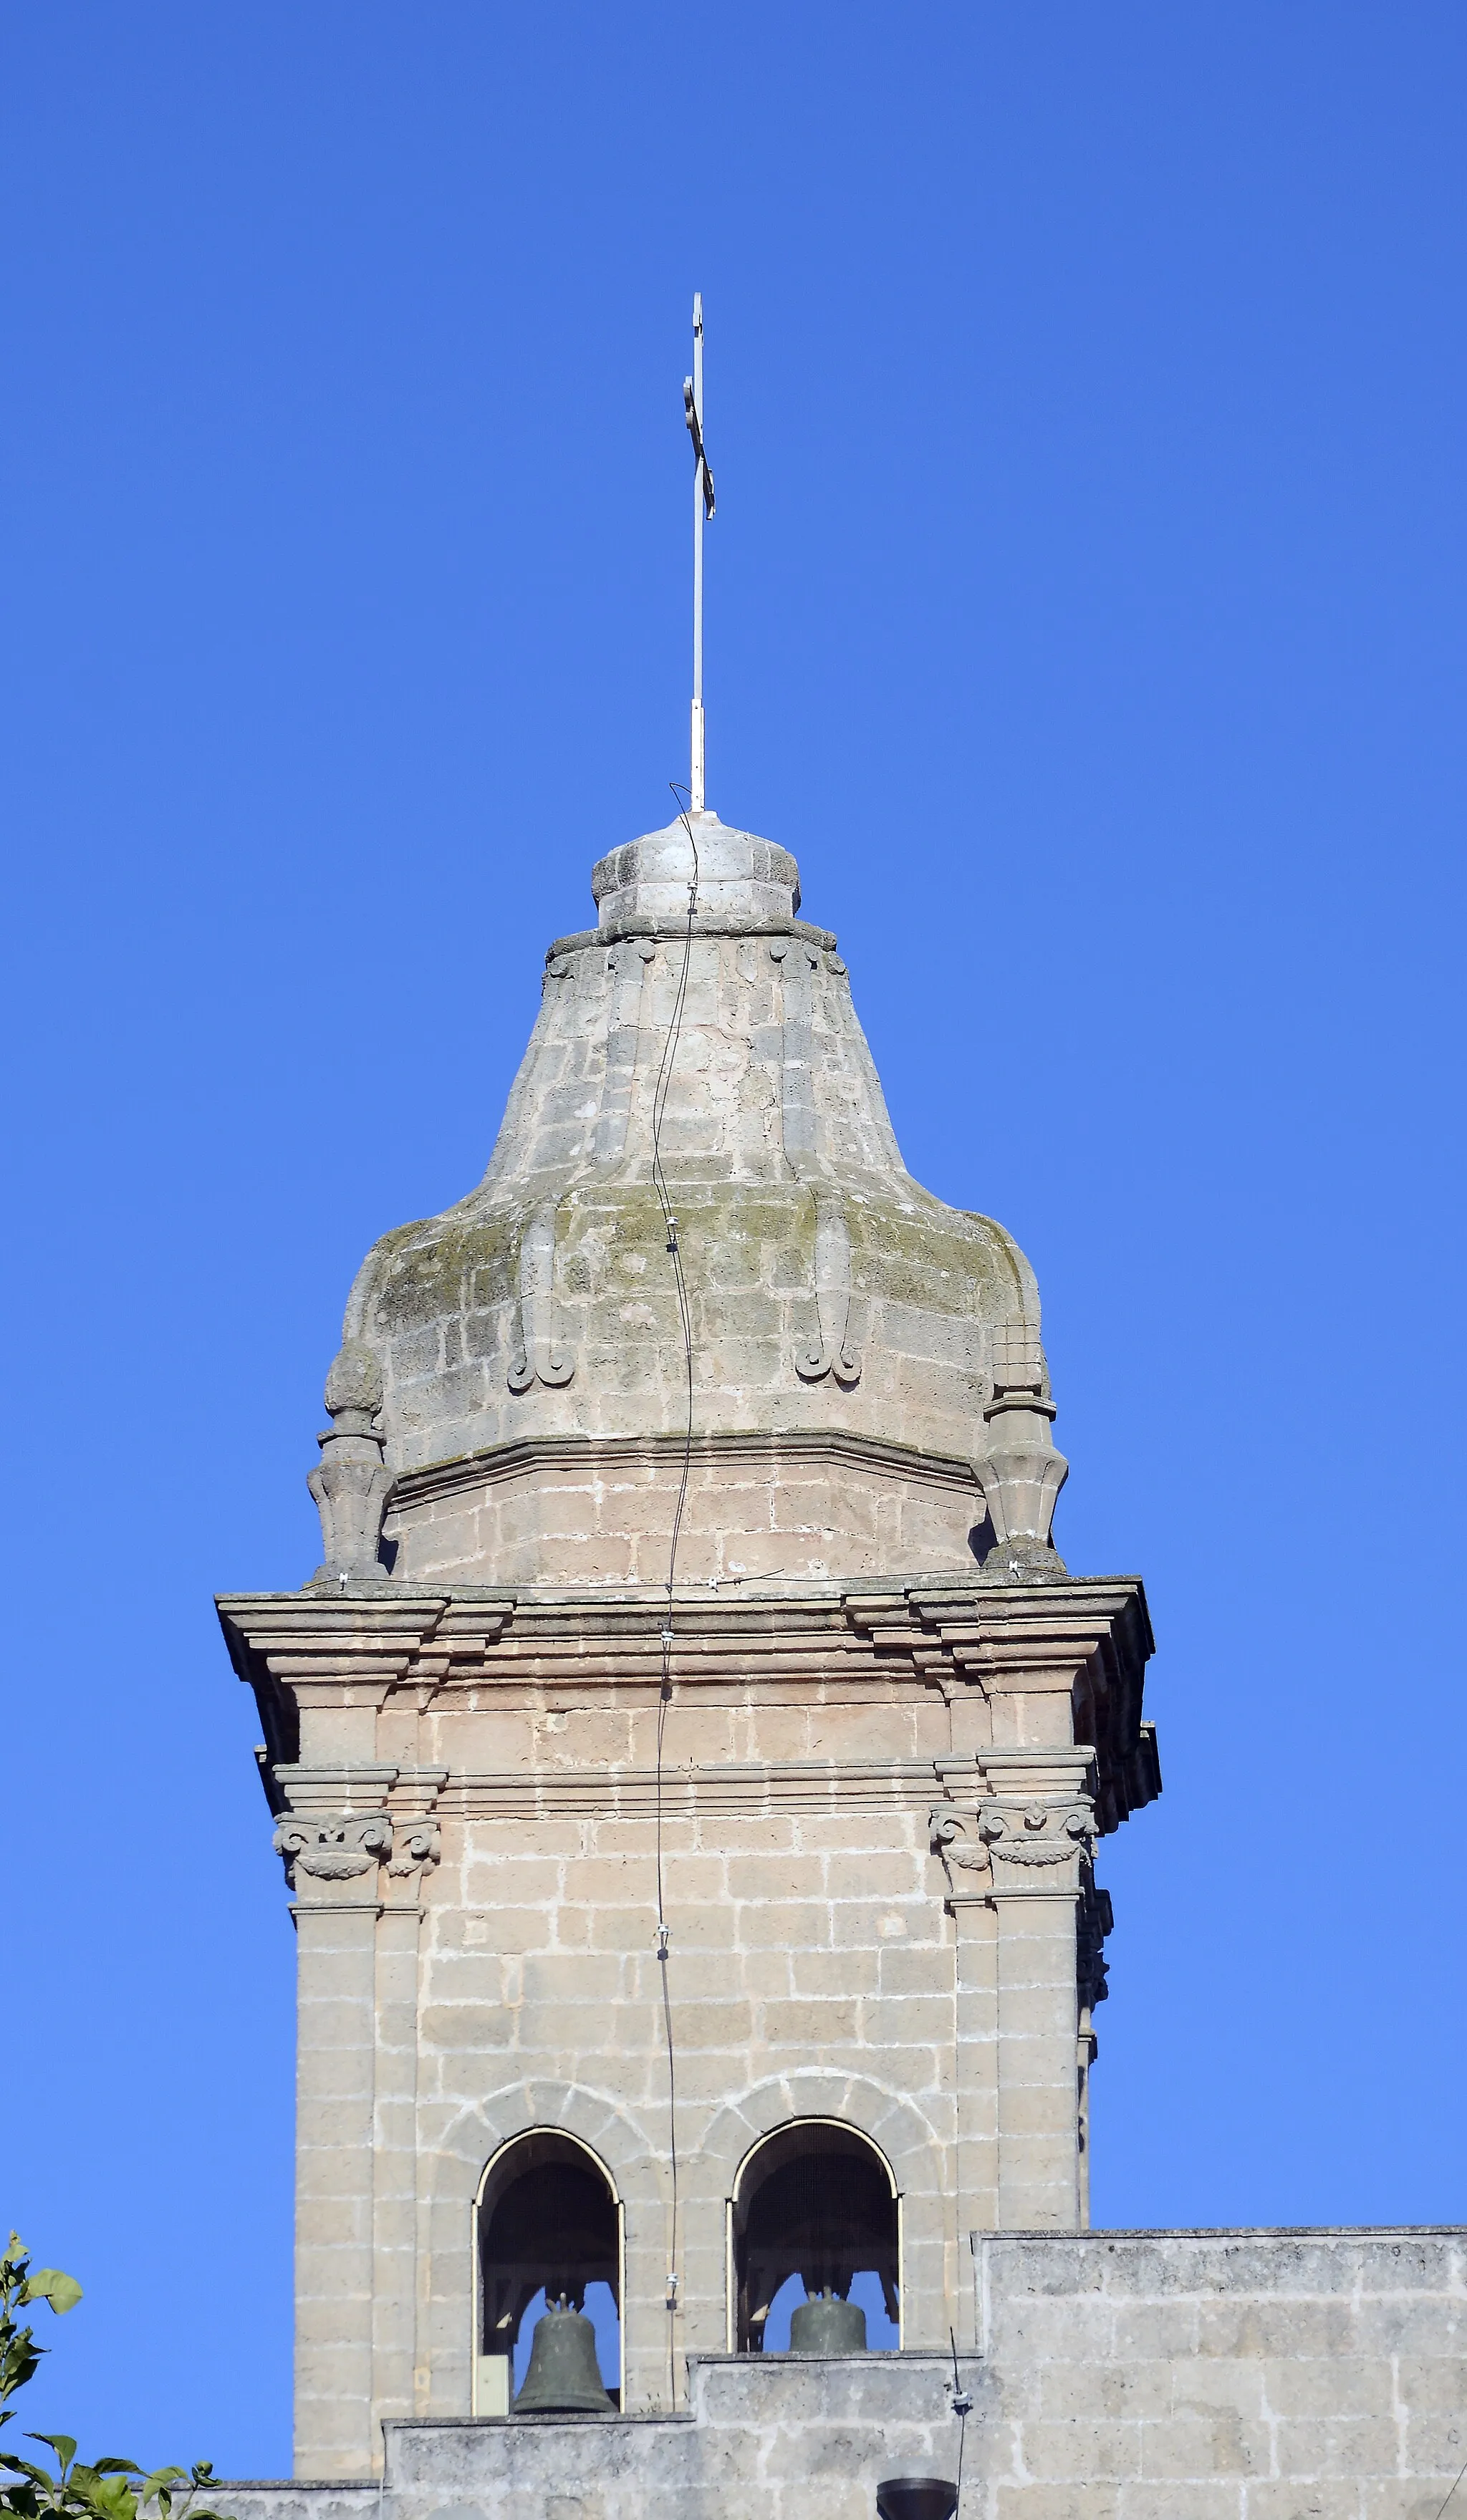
(876, 1831)
(1250, 2375)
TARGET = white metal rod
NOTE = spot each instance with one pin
(698, 775)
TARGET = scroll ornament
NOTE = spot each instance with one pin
(418, 1842)
(1038, 1832)
(340, 1846)
(535, 1354)
(832, 1350)
(1026, 1834)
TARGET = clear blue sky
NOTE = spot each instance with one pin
(1086, 610)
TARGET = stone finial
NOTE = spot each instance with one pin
(350, 1481)
(741, 878)
(1020, 1473)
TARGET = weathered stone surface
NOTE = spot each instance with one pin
(845, 1750)
(1102, 2384)
(829, 1296)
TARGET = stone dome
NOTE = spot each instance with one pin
(848, 1330)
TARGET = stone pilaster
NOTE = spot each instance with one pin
(415, 1850)
(334, 1837)
(1013, 1856)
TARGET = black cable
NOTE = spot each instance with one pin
(962, 2407)
(670, 1220)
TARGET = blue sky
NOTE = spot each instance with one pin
(1085, 609)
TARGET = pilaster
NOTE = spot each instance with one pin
(1013, 1838)
(356, 1840)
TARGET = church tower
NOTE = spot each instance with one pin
(689, 1757)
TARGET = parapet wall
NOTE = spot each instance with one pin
(1186, 2375)
(1123, 2376)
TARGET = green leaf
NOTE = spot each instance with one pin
(115, 2466)
(61, 2443)
(111, 2495)
(18, 2359)
(48, 2283)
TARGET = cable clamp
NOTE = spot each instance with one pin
(662, 1942)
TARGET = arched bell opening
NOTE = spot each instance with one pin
(547, 2229)
(814, 2211)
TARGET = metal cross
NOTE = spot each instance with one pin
(703, 506)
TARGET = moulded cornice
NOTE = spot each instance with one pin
(813, 1642)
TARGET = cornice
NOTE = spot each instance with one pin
(813, 1642)
(606, 1455)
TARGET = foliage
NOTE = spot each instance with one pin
(109, 2488)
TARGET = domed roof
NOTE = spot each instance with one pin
(698, 1049)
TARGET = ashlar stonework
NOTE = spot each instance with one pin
(661, 1872)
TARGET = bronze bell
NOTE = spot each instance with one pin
(916, 2498)
(827, 2324)
(564, 2376)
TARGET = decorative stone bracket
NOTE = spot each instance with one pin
(832, 1351)
(535, 1356)
(351, 1480)
(1092, 1924)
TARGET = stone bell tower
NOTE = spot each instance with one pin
(689, 1757)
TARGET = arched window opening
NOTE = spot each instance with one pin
(548, 2225)
(814, 2210)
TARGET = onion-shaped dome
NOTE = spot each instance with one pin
(849, 1335)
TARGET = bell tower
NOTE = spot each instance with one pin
(689, 1757)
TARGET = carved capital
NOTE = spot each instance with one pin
(335, 1846)
(1033, 1835)
(1036, 1832)
(956, 1839)
(417, 1845)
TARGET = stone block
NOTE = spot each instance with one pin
(1122, 2391)
(1200, 2499)
(1345, 2385)
(475, 2029)
(1036, 2499)
(1319, 2499)
(765, 1924)
(1218, 2443)
(713, 2025)
(1081, 2450)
